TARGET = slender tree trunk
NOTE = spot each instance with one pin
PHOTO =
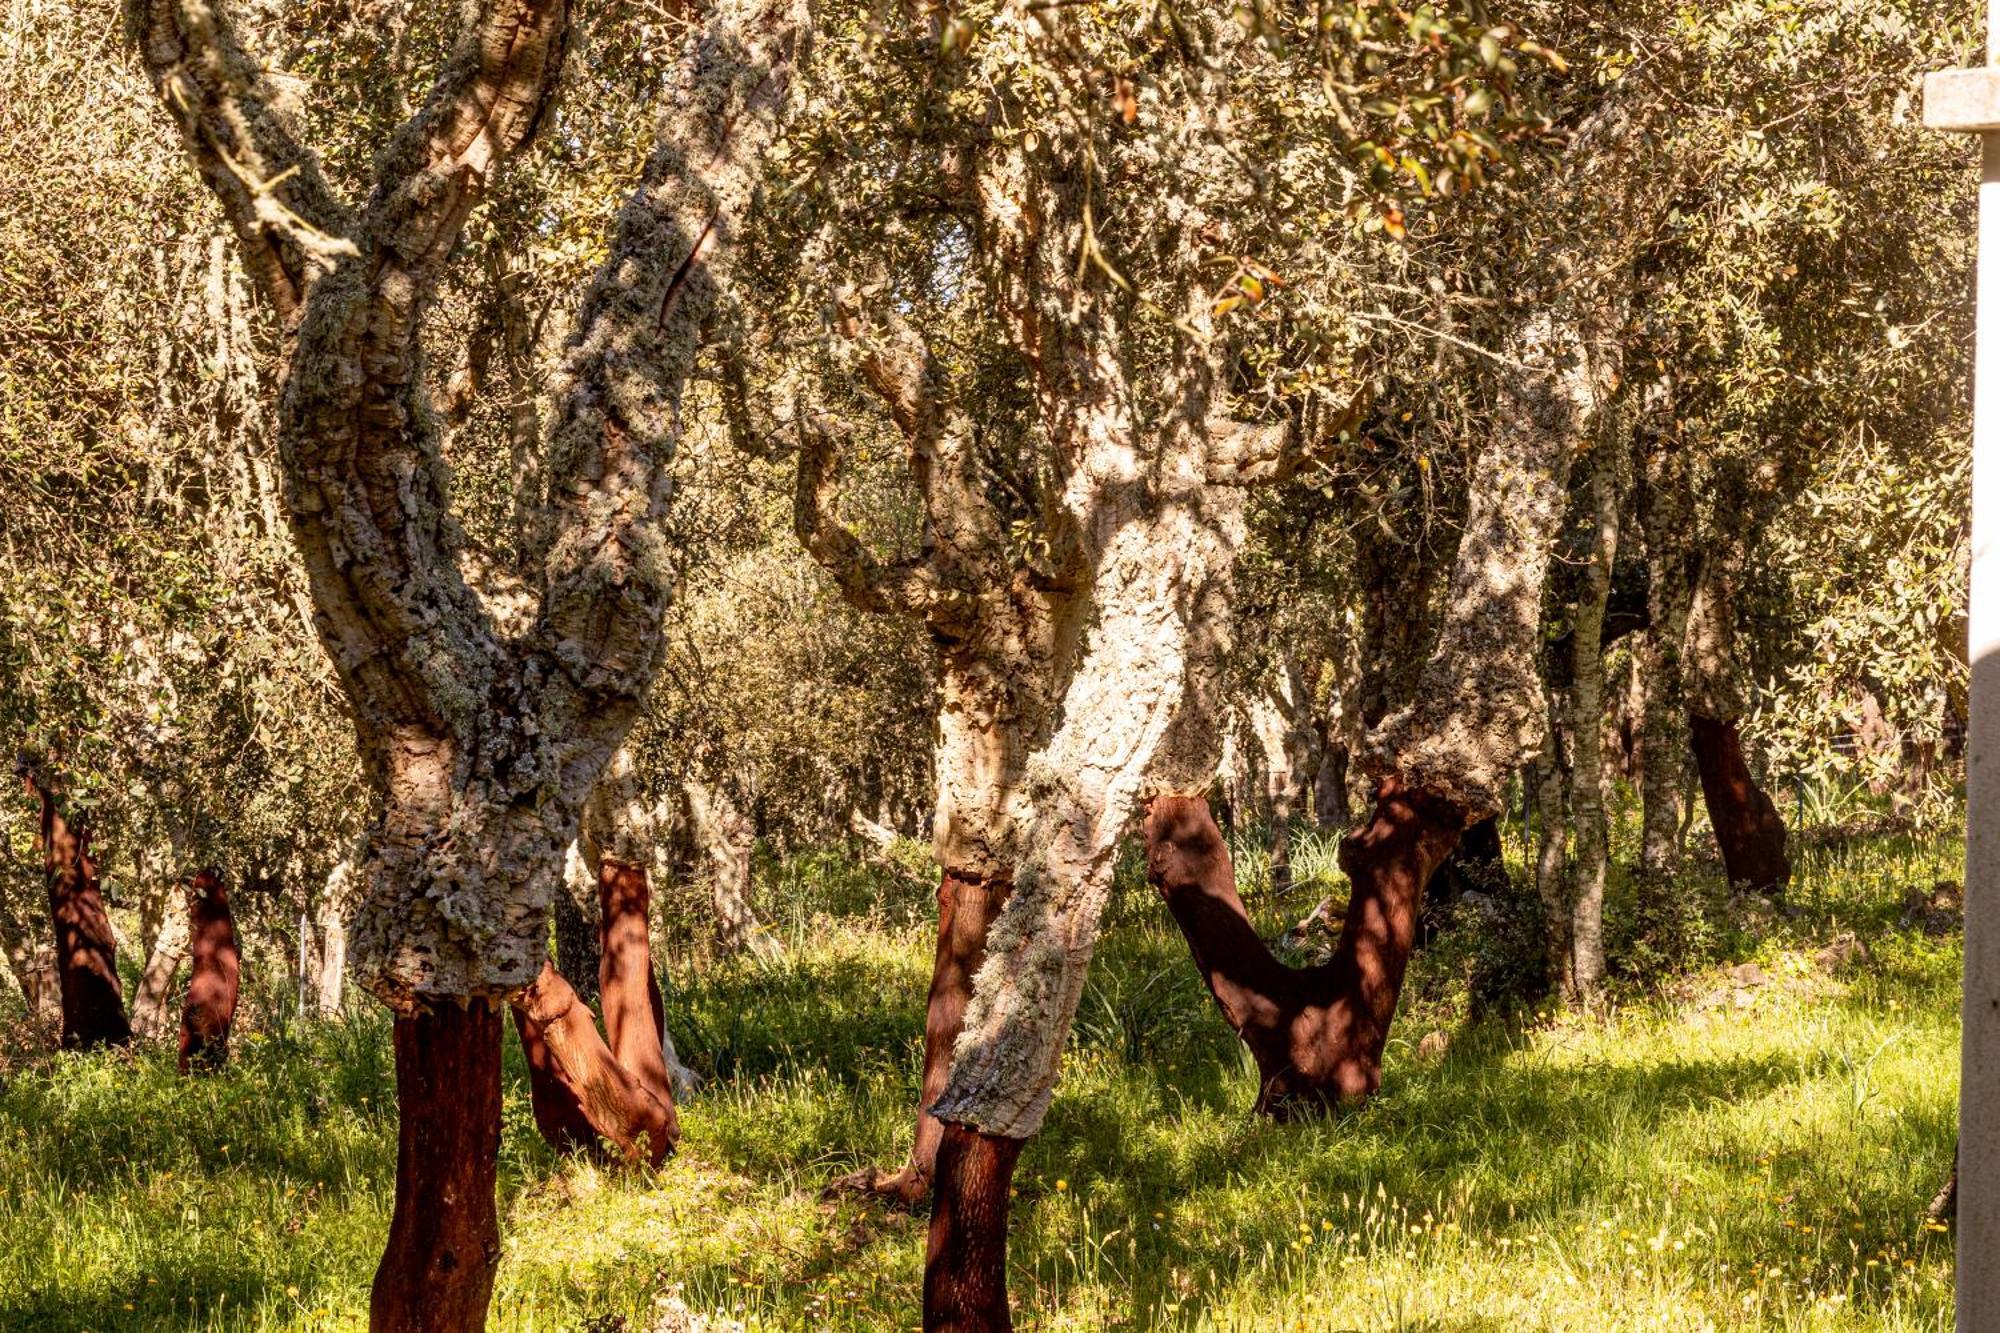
(1316, 1033)
(635, 1016)
(1330, 804)
(1552, 857)
(156, 983)
(1587, 815)
(967, 906)
(965, 1258)
(436, 1275)
(621, 1108)
(213, 980)
(330, 917)
(1747, 824)
(1666, 511)
(33, 964)
(727, 840)
(93, 1003)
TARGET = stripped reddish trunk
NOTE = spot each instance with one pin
(1747, 825)
(212, 984)
(965, 1260)
(436, 1275)
(93, 1003)
(616, 1104)
(558, 1111)
(967, 906)
(634, 1014)
(1317, 1033)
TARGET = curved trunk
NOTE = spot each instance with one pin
(635, 1017)
(557, 1109)
(436, 1275)
(1317, 1033)
(617, 1105)
(1747, 825)
(965, 1254)
(93, 1003)
(212, 984)
(967, 906)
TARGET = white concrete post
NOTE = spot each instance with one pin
(1969, 100)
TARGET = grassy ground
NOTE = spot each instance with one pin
(1709, 1154)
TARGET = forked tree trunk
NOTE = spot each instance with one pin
(213, 980)
(965, 1255)
(436, 1274)
(967, 905)
(1317, 1033)
(635, 1017)
(483, 721)
(1747, 825)
(93, 1003)
(638, 1124)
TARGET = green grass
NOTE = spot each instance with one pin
(1687, 1160)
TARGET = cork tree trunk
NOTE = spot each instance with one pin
(1666, 510)
(1748, 829)
(86, 951)
(1317, 1033)
(635, 1016)
(728, 840)
(437, 1271)
(210, 1008)
(150, 1003)
(486, 700)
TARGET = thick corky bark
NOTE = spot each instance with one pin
(86, 955)
(444, 1238)
(728, 841)
(213, 979)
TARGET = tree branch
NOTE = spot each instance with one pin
(904, 588)
(242, 141)
(607, 575)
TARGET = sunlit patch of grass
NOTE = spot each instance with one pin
(1704, 1155)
